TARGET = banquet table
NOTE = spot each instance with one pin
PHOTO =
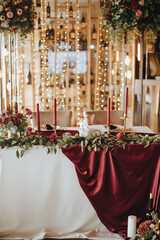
(40, 197)
(75, 194)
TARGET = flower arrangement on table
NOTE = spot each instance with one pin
(149, 229)
(122, 15)
(17, 15)
(13, 122)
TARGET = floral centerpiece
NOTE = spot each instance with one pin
(149, 229)
(14, 123)
(122, 15)
(17, 15)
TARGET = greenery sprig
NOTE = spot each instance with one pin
(91, 142)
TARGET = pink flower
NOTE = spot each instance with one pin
(19, 12)
(9, 14)
(119, 135)
(134, 4)
(139, 13)
(2, 17)
(52, 137)
(121, 10)
(44, 126)
(141, 2)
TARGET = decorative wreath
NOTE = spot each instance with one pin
(17, 16)
(122, 15)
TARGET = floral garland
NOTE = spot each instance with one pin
(66, 140)
(122, 15)
(17, 16)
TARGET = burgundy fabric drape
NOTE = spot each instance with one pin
(118, 182)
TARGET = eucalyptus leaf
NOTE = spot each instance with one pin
(2, 134)
(55, 150)
(17, 154)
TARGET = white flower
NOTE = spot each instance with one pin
(1, 8)
(105, 22)
(141, 2)
(117, 2)
(9, 14)
(121, 10)
(4, 25)
(152, 225)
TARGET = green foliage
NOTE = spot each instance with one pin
(119, 16)
(92, 142)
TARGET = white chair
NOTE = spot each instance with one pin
(47, 117)
(101, 117)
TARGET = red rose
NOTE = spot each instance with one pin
(29, 112)
(14, 30)
(3, 115)
(126, 5)
(20, 115)
(52, 137)
(29, 128)
(119, 135)
(0, 120)
(134, 4)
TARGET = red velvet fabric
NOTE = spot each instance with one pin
(118, 182)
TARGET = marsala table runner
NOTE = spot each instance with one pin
(118, 182)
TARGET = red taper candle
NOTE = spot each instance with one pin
(126, 101)
(38, 117)
(16, 107)
(55, 112)
(109, 111)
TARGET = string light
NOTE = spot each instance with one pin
(21, 87)
(77, 66)
(139, 51)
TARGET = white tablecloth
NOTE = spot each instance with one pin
(40, 196)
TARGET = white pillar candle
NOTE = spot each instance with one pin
(132, 222)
